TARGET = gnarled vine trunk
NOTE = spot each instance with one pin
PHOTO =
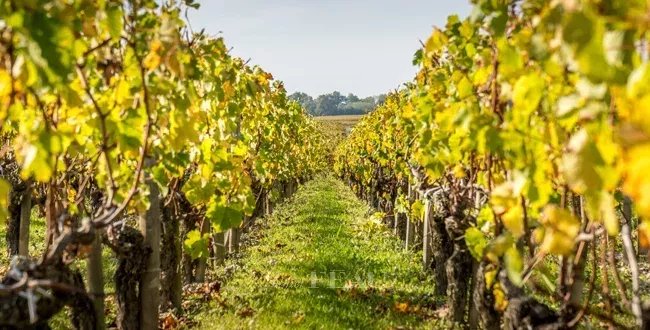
(18, 311)
(483, 301)
(441, 247)
(132, 253)
(19, 192)
(458, 267)
(170, 261)
(25, 220)
(524, 312)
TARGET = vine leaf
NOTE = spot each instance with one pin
(580, 164)
(5, 189)
(476, 242)
(196, 245)
(560, 228)
(514, 265)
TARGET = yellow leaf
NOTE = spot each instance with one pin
(458, 171)
(527, 93)
(155, 46)
(506, 202)
(560, 230)
(580, 164)
(151, 61)
(538, 235)
(500, 299)
(513, 220)
(122, 92)
(603, 205)
(417, 210)
(5, 83)
(402, 307)
(181, 129)
(637, 182)
(5, 188)
(501, 198)
(644, 234)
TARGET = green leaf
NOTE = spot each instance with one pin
(591, 61)
(510, 60)
(528, 93)
(401, 205)
(196, 245)
(181, 129)
(53, 44)
(417, 57)
(197, 192)
(476, 242)
(222, 215)
(514, 265)
(114, 21)
(466, 30)
(578, 30)
(498, 22)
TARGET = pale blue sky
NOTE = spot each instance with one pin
(363, 47)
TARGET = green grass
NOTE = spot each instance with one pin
(284, 279)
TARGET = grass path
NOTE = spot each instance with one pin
(321, 262)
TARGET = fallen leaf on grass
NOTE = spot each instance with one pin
(168, 321)
(402, 307)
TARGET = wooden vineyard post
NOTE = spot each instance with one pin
(219, 243)
(427, 250)
(410, 223)
(96, 279)
(627, 215)
(150, 281)
(378, 199)
(25, 213)
(268, 206)
(202, 265)
(233, 239)
(396, 216)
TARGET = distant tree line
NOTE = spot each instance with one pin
(335, 103)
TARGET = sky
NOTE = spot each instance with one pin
(364, 47)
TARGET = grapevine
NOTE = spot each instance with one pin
(541, 108)
(114, 110)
